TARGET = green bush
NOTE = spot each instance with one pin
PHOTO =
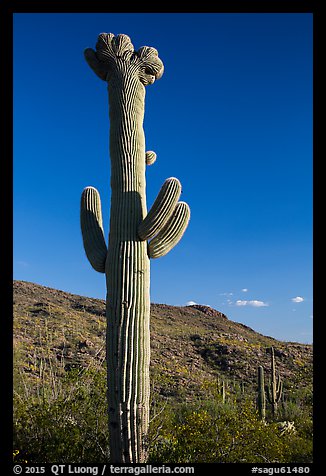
(70, 427)
(223, 433)
(66, 420)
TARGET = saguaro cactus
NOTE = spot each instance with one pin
(261, 399)
(126, 259)
(274, 390)
(221, 388)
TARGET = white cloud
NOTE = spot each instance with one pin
(240, 302)
(193, 303)
(244, 290)
(297, 299)
(253, 303)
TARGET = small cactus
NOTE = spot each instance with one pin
(274, 390)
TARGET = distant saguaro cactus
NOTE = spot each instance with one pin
(221, 388)
(274, 390)
(126, 259)
(261, 399)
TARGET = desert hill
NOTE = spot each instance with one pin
(190, 345)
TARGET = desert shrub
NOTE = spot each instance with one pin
(70, 427)
(66, 421)
(223, 433)
(298, 407)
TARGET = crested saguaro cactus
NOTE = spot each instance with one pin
(274, 390)
(135, 236)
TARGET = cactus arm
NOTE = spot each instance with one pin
(279, 390)
(171, 233)
(161, 210)
(150, 157)
(92, 228)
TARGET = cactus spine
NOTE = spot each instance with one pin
(274, 390)
(125, 260)
(261, 399)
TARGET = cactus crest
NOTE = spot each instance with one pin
(111, 49)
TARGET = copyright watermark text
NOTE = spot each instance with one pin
(105, 469)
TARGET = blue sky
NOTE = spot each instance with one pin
(231, 117)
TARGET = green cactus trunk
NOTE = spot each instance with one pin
(127, 273)
(126, 260)
(261, 399)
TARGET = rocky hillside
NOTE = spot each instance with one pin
(190, 346)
